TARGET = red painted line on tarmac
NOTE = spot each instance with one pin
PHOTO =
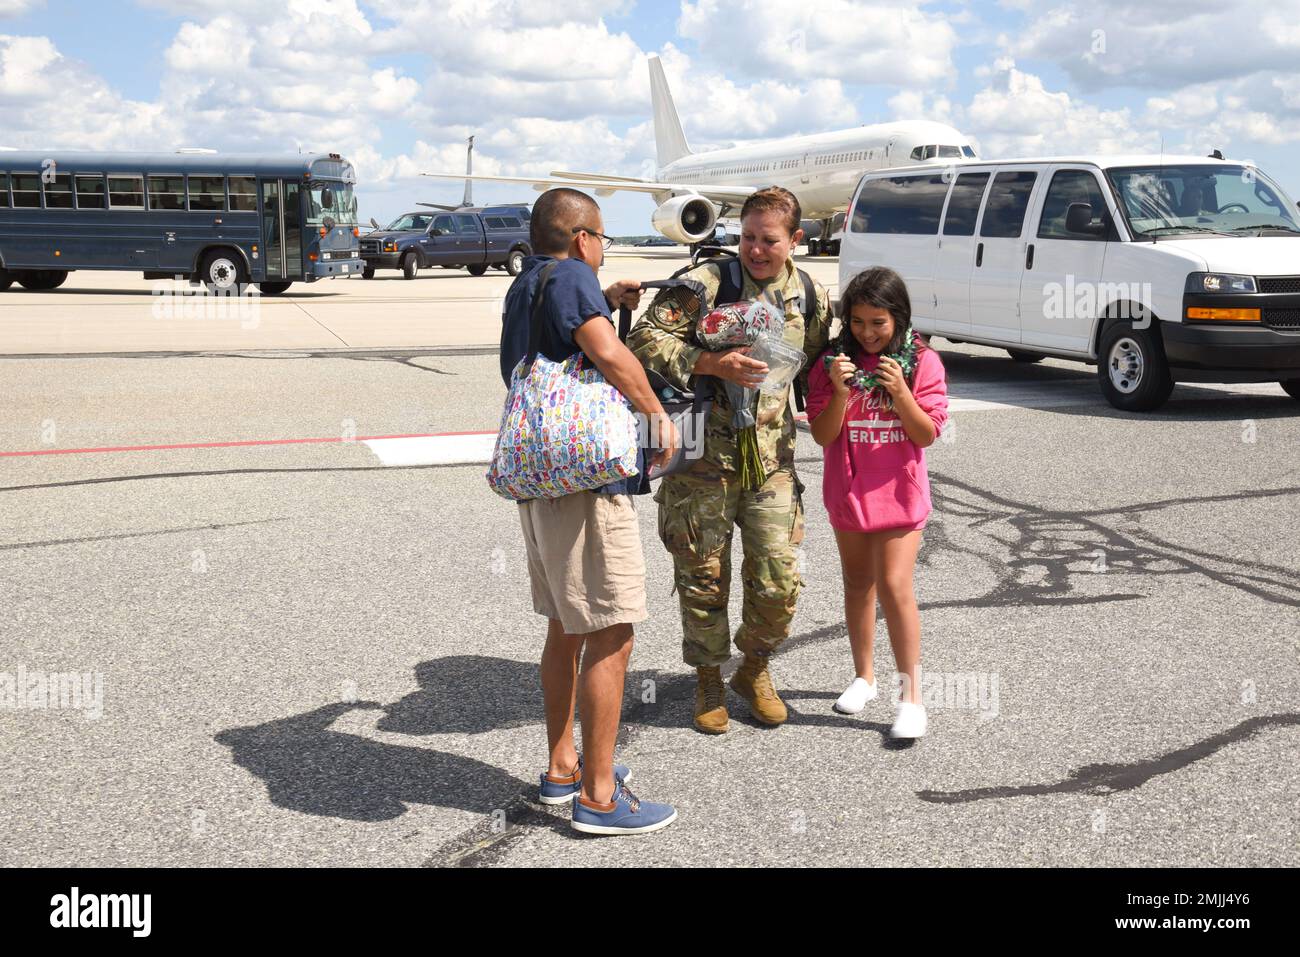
(250, 442)
(226, 445)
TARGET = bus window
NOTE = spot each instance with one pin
(207, 192)
(166, 192)
(243, 194)
(90, 191)
(4, 190)
(58, 192)
(27, 190)
(126, 192)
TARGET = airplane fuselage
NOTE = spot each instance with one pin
(823, 169)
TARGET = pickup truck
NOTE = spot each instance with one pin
(474, 239)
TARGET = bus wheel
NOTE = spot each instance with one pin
(368, 272)
(222, 271)
(478, 270)
(1024, 356)
(1292, 386)
(273, 288)
(40, 280)
(515, 262)
(1131, 368)
(410, 265)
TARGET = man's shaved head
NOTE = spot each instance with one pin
(555, 214)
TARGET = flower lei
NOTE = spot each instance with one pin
(863, 381)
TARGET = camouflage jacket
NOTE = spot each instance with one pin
(664, 340)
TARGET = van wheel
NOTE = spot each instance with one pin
(1131, 368)
(477, 270)
(1024, 356)
(410, 265)
(273, 288)
(367, 272)
(1292, 386)
(515, 262)
(222, 271)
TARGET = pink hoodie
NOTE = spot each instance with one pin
(875, 476)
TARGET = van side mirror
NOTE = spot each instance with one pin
(1078, 219)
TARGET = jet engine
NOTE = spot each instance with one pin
(686, 219)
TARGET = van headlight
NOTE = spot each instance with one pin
(1202, 282)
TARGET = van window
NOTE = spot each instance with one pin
(512, 223)
(902, 204)
(90, 191)
(1070, 186)
(27, 190)
(58, 192)
(4, 190)
(467, 225)
(964, 205)
(494, 222)
(1004, 211)
(444, 224)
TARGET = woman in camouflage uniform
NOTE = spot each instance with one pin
(699, 507)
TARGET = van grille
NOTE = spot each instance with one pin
(1279, 283)
(370, 247)
(1282, 318)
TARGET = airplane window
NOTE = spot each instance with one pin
(968, 152)
(917, 153)
(949, 151)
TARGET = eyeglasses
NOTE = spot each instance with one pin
(606, 241)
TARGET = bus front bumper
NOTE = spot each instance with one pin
(333, 268)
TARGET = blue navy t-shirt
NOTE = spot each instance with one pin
(573, 296)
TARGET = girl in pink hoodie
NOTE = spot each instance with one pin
(876, 399)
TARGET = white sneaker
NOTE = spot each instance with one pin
(909, 722)
(855, 696)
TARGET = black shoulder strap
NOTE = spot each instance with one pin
(809, 310)
(809, 298)
(731, 284)
(535, 315)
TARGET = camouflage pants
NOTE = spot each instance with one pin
(697, 513)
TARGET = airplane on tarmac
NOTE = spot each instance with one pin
(693, 191)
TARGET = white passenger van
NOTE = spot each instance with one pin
(1158, 269)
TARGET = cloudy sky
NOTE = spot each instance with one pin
(396, 87)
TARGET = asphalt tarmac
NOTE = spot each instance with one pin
(306, 656)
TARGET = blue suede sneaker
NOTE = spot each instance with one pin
(564, 790)
(628, 816)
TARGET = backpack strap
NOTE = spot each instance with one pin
(809, 310)
(535, 315)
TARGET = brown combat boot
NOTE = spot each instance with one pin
(710, 701)
(753, 682)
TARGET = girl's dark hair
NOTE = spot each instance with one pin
(881, 288)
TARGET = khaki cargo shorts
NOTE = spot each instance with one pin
(585, 561)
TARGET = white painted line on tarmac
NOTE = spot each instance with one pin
(472, 448)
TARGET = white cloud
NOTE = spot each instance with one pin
(888, 42)
(1016, 115)
(1163, 43)
(16, 8)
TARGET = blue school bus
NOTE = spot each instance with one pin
(225, 220)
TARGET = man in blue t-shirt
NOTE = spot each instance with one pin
(584, 550)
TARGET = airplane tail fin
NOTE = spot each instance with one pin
(469, 171)
(670, 141)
